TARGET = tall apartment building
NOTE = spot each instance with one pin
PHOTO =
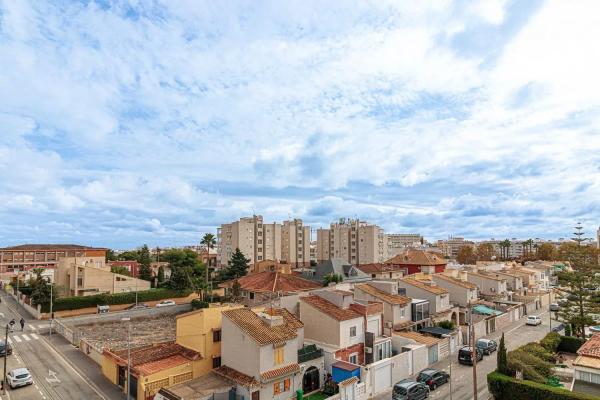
(451, 246)
(258, 241)
(398, 242)
(29, 256)
(354, 241)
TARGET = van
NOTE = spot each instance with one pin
(102, 309)
(465, 353)
(487, 346)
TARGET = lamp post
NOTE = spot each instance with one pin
(128, 320)
(473, 353)
(5, 357)
(449, 363)
(51, 304)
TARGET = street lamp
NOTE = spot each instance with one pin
(128, 320)
(51, 303)
(449, 363)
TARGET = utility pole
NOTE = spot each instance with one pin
(450, 363)
(128, 320)
(5, 357)
(473, 354)
(51, 306)
(549, 310)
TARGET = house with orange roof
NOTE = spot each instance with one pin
(461, 291)
(587, 367)
(382, 270)
(348, 330)
(440, 308)
(413, 261)
(259, 354)
(261, 287)
(397, 313)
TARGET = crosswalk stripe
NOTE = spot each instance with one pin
(18, 339)
(34, 336)
(26, 337)
(10, 341)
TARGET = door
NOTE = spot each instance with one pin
(383, 378)
(122, 373)
(133, 387)
(310, 381)
(256, 395)
(433, 354)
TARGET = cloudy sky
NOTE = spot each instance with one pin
(124, 123)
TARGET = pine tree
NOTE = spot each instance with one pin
(145, 270)
(502, 361)
(237, 266)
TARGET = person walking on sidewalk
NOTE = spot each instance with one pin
(22, 324)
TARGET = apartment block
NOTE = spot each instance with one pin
(288, 242)
(451, 246)
(398, 242)
(28, 256)
(352, 240)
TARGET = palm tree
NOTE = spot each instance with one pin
(505, 244)
(209, 241)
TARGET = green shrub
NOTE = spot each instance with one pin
(503, 387)
(551, 341)
(75, 303)
(197, 304)
(539, 351)
(570, 344)
(568, 330)
(520, 358)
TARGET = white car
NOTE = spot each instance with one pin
(533, 320)
(19, 377)
(166, 303)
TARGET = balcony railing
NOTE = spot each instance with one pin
(309, 352)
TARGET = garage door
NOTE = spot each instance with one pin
(433, 354)
(383, 378)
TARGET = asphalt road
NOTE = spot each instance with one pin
(53, 377)
(515, 335)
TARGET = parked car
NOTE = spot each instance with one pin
(465, 355)
(408, 389)
(487, 346)
(562, 302)
(433, 378)
(533, 320)
(4, 349)
(19, 377)
(139, 306)
(166, 303)
(554, 307)
(558, 328)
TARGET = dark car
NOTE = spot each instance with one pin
(408, 389)
(433, 378)
(487, 346)
(4, 350)
(465, 353)
(139, 306)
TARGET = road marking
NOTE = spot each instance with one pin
(10, 341)
(33, 335)
(18, 339)
(26, 337)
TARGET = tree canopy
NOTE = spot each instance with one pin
(236, 267)
(186, 268)
(466, 255)
(145, 272)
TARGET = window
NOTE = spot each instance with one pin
(282, 386)
(278, 355)
(352, 331)
(216, 362)
(402, 312)
(217, 335)
(353, 358)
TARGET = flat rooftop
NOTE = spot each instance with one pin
(144, 331)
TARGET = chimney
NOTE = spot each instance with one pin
(271, 320)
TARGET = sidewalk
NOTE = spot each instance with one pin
(85, 366)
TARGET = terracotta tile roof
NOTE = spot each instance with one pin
(258, 330)
(418, 337)
(279, 372)
(424, 286)
(51, 247)
(348, 381)
(403, 325)
(378, 268)
(330, 309)
(346, 366)
(151, 359)
(289, 318)
(458, 282)
(236, 376)
(485, 275)
(417, 257)
(273, 282)
(591, 348)
(383, 296)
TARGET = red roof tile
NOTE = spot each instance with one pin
(383, 296)
(249, 322)
(591, 348)
(279, 372)
(236, 376)
(378, 268)
(330, 309)
(273, 282)
(151, 359)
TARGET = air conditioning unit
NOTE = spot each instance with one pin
(368, 350)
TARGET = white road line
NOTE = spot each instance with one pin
(18, 339)
(10, 341)
(34, 336)
(26, 337)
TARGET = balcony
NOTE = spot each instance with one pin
(309, 352)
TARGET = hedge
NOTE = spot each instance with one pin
(570, 344)
(75, 303)
(503, 387)
(197, 304)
